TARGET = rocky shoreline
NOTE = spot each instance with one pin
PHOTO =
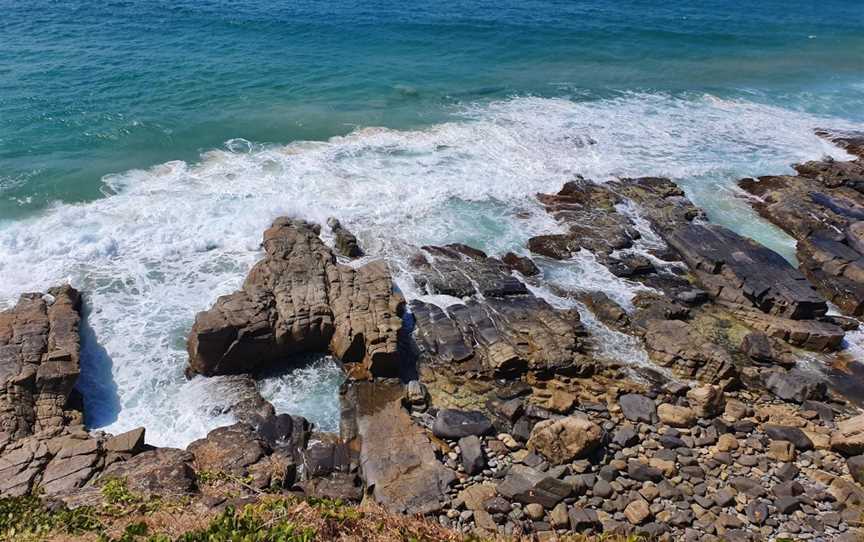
(499, 414)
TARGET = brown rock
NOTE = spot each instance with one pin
(848, 439)
(561, 441)
(676, 416)
(298, 299)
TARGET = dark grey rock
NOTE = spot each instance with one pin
(792, 434)
(638, 408)
(643, 472)
(795, 386)
(527, 485)
(455, 424)
(472, 454)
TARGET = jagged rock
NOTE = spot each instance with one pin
(740, 271)
(588, 211)
(161, 472)
(39, 362)
(455, 424)
(476, 496)
(809, 334)
(637, 512)
(397, 460)
(795, 386)
(638, 408)
(678, 345)
(562, 441)
(325, 454)
(20, 465)
(848, 439)
(298, 299)
(345, 242)
(527, 485)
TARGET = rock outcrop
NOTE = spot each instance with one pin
(748, 284)
(823, 209)
(499, 327)
(39, 363)
(298, 299)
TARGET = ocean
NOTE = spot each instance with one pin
(145, 145)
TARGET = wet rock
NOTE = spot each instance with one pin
(298, 299)
(344, 241)
(455, 424)
(638, 408)
(813, 207)
(500, 335)
(522, 264)
(527, 485)
(561, 441)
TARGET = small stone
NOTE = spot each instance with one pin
(559, 517)
(727, 443)
(781, 450)
(757, 512)
(534, 511)
(637, 512)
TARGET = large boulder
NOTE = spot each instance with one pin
(561, 441)
(298, 299)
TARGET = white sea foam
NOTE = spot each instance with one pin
(168, 240)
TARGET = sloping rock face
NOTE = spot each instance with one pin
(39, 362)
(397, 459)
(500, 328)
(823, 208)
(298, 299)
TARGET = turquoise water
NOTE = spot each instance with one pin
(144, 146)
(92, 88)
